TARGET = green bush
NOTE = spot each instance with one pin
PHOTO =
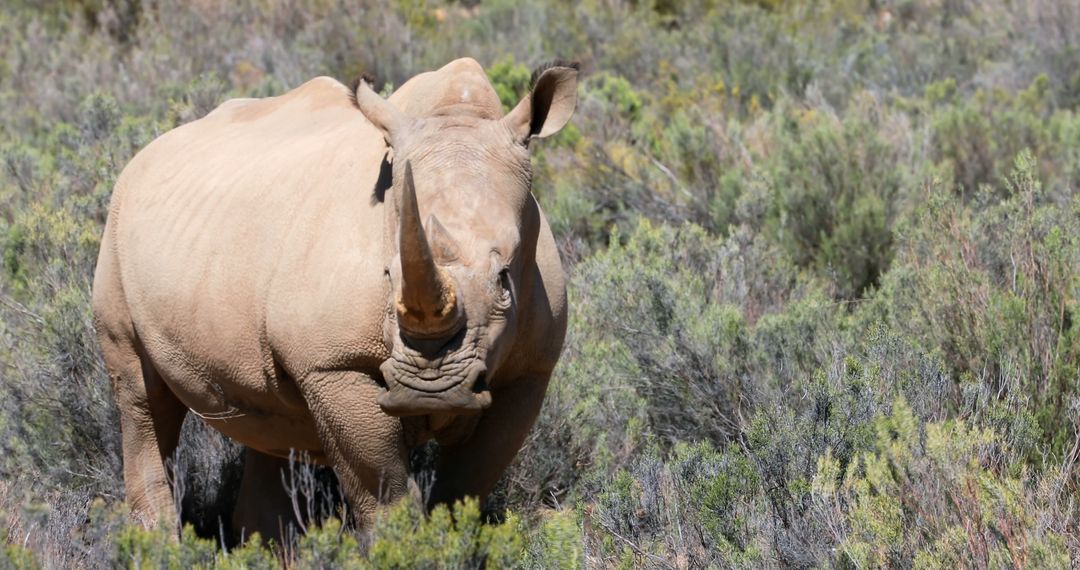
(15, 557)
(833, 192)
(996, 298)
(403, 537)
(981, 517)
(510, 80)
(445, 539)
(978, 137)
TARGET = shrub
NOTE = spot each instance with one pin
(408, 539)
(996, 297)
(885, 498)
(832, 197)
(510, 80)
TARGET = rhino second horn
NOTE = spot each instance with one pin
(442, 243)
(427, 299)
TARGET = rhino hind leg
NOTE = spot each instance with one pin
(150, 420)
(280, 498)
(264, 506)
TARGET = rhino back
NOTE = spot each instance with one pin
(250, 244)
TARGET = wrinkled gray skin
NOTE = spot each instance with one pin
(337, 274)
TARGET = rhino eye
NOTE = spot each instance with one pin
(504, 282)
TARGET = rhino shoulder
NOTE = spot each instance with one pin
(319, 93)
(231, 106)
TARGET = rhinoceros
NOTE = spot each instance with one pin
(336, 274)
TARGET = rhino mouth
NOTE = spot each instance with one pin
(413, 392)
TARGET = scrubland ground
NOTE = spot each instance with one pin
(824, 259)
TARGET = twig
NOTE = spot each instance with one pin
(636, 548)
(21, 309)
(671, 176)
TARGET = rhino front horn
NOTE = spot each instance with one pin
(427, 304)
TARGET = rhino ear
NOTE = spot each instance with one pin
(549, 105)
(380, 112)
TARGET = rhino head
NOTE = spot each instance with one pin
(465, 237)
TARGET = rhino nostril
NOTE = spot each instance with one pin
(481, 384)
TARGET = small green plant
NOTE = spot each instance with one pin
(510, 80)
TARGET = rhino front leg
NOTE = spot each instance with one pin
(473, 467)
(365, 446)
